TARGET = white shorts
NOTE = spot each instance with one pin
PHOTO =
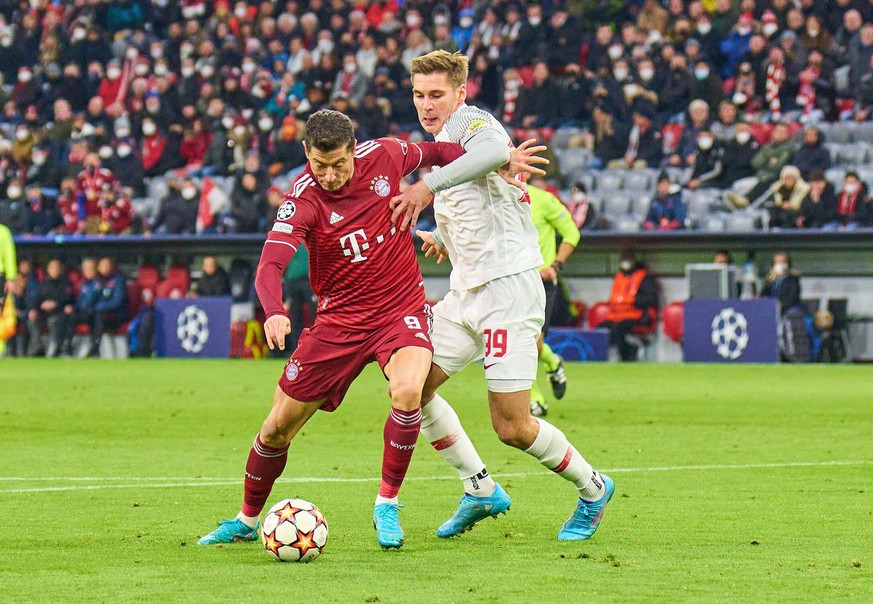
(500, 322)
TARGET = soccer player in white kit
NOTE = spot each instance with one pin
(495, 308)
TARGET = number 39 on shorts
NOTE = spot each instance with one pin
(495, 342)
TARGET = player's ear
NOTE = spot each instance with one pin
(305, 149)
(462, 92)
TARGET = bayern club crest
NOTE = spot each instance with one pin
(292, 369)
(380, 186)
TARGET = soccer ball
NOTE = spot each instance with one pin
(294, 530)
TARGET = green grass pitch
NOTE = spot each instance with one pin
(733, 483)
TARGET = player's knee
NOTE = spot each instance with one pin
(519, 433)
(273, 435)
(405, 394)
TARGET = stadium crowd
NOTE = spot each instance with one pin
(134, 116)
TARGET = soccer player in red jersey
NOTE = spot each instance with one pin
(371, 306)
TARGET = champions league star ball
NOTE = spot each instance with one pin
(294, 530)
(730, 333)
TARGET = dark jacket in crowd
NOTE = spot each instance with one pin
(216, 284)
(816, 214)
(89, 294)
(113, 295)
(810, 158)
(58, 290)
(177, 215)
(740, 164)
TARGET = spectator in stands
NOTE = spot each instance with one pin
(782, 283)
(42, 216)
(724, 128)
(812, 155)
(740, 149)
(707, 85)
(633, 303)
(581, 208)
(644, 140)
(44, 170)
(533, 37)
(853, 207)
(13, 207)
(790, 191)
(698, 121)
(116, 212)
(177, 214)
(708, 166)
(90, 182)
(51, 309)
(214, 281)
(676, 90)
(820, 206)
(736, 44)
(351, 81)
(537, 103)
(608, 141)
(666, 211)
(768, 163)
(859, 52)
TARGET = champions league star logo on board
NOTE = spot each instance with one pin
(192, 329)
(380, 186)
(730, 333)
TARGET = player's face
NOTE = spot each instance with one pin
(332, 169)
(435, 99)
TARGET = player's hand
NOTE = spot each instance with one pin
(549, 274)
(523, 159)
(9, 287)
(430, 247)
(275, 329)
(409, 204)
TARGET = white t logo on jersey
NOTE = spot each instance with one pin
(352, 240)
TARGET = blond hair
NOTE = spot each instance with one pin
(456, 66)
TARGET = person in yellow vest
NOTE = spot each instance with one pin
(8, 272)
(633, 302)
(550, 218)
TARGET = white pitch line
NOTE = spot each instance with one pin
(160, 483)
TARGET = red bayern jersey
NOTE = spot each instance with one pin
(361, 266)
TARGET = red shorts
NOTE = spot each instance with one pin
(327, 359)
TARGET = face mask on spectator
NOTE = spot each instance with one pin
(615, 52)
(744, 31)
(208, 71)
(141, 69)
(24, 76)
(239, 130)
(770, 28)
(6, 41)
(122, 132)
(156, 52)
(189, 192)
(160, 70)
(704, 27)
(38, 159)
(743, 137)
(79, 33)
(466, 22)
(186, 50)
(701, 73)
(105, 152)
(227, 122)
(21, 134)
(240, 12)
(187, 71)
(851, 188)
(620, 74)
(325, 46)
(780, 268)
(626, 265)
(440, 20)
(535, 20)
(148, 128)
(124, 150)
(113, 73)
(647, 74)
(249, 66)
(350, 67)
(705, 143)
(131, 53)
(812, 31)
(413, 20)
(13, 192)
(265, 124)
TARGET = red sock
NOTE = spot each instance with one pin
(264, 466)
(401, 432)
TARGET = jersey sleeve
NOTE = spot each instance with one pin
(409, 157)
(467, 122)
(294, 219)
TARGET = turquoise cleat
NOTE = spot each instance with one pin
(585, 520)
(387, 525)
(230, 531)
(473, 509)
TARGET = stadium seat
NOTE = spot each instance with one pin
(716, 222)
(629, 223)
(597, 314)
(610, 180)
(640, 205)
(563, 137)
(852, 154)
(638, 180)
(840, 133)
(573, 160)
(740, 222)
(615, 205)
(836, 176)
(673, 317)
(148, 276)
(176, 283)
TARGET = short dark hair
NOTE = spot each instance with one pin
(328, 130)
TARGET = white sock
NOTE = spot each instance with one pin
(380, 499)
(553, 450)
(442, 428)
(249, 521)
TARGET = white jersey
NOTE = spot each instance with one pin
(486, 223)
